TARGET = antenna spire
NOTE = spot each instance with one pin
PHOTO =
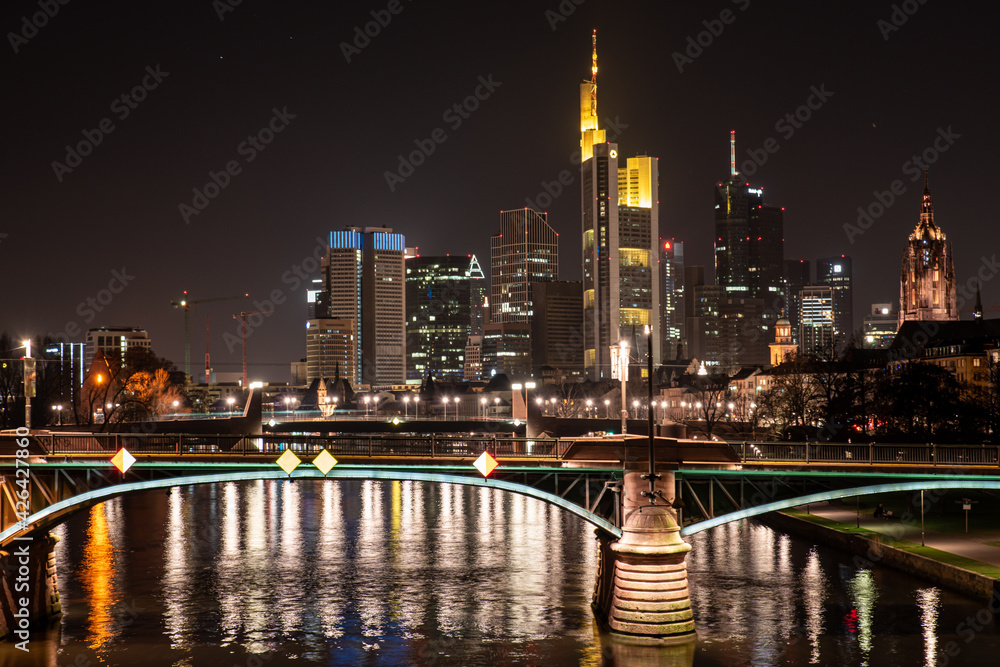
(732, 152)
(593, 67)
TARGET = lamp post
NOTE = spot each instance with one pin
(367, 400)
(590, 404)
(496, 405)
(444, 399)
(457, 401)
(29, 381)
(416, 407)
(635, 408)
(619, 370)
(607, 408)
(482, 403)
(652, 455)
(406, 406)
(58, 409)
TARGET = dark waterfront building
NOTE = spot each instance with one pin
(506, 349)
(836, 272)
(798, 274)
(439, 301)
(927, 281)
(556, 333)
(363, 282)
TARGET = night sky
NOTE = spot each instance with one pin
(211, 82)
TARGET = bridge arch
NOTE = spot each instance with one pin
(777, 505)
(58, 512)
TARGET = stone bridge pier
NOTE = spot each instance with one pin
(641, 594)
(29, 597)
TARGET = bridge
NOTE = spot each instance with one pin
(641, 578)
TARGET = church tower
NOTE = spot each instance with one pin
(927, 281)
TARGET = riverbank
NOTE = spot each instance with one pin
(888, 546)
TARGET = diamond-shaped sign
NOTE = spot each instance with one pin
(289, 461)
(123, 460)
(325, 461)
(485, 464)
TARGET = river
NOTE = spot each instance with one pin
(316, 572)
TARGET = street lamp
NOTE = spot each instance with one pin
(457, 401)
(416, 407)
(607, 408)
(58, 409)
(482, 404)
(367, 400)
(444, 399)
(635, 409)
(230, 401)
(590, 404)
(619, 371)
(406, 406)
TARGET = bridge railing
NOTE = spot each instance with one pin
(870, 453)
(106, 444)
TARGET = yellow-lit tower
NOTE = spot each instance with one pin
(620, 242)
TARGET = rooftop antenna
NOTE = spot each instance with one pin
(732, 152)
(593, 77)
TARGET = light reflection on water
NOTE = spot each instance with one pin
(393, 573)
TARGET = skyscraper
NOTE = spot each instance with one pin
(836, 272)
(114, 342)
(621, 286)
(438, 315)
(672, 320)
(363, 282)
(556, 340)
(927, 281)
(524, 251)
(749, 245)
(798, 274)
(816, 320)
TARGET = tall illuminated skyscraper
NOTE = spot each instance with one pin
(363, 282)
(438, 315)
(621, 286)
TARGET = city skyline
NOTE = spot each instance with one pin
(260, 101)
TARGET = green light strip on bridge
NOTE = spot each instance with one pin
(977, 483)
(38, 519)
(832, 474)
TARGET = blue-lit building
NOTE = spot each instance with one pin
(363, 281)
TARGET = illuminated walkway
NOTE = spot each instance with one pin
(957, 544)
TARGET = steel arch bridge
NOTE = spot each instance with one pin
(60, 489)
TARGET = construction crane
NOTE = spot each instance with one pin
(243, 318)
(186, 304)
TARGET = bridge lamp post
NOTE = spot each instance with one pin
(444, 399)
(58, 409)
(607, 408)
(482, 403)
(367, 401)
(590, 404)
(406, 406)
(619, 371)
(457, 401)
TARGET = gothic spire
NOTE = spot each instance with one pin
(926, 227)
(977, 311)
